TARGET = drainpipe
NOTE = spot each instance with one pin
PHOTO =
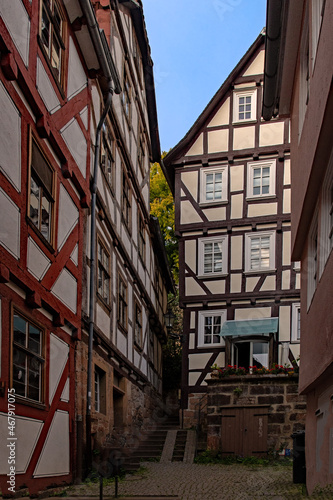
(110, 73)
(92, 272)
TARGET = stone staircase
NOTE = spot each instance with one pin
(165, 442)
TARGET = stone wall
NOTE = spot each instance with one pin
(286, 411)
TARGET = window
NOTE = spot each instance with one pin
(126, 96)
(126, 201)
(245, 103)
(138, 325)
(41, 192)
(107, 156)
(28, 358)
(100, 390)
(141, 239)
(260, 252)
(214, 185)
(103, 275)
(213, 256)
(261, 179)
(296, 323)
(326, 229)
(210, 325)
(313, 257)
(51, 34)
(304, 79)
(122, 303)
(141, 149)
(317, 17)
(248, 353)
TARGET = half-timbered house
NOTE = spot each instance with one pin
(238, 288)
(128, 292)
(57, 78)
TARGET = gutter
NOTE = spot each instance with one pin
(109, 72)
(274, 50)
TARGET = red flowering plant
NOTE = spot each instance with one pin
(229, 370)
(253, 370)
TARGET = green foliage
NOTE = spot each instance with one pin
(215, 457)
(172, 350)
(162, 206)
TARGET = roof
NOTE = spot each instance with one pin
(194, 131)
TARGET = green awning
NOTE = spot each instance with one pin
(249, 327)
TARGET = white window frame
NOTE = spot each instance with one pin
(251, 236)
(295, 315)
(326, 224)
(316, 22)
(313, 255)
(214, 170)
(201, 264)
(271, 164)
(245, 93)
(304, 77)
(201, 327)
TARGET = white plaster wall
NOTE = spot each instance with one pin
(215, 287)
(192, 287)
(188, 213)
(77, 79)
(37, 262)
(192, 320)
(286, 201)
(286, 172)
(268, 284)
(9, 225)
(197, 147)
(237, 178)
(10, 139)
(76, 143)
(271, 133)
(198, 361)
(191, 254)
(27, 431)
(285, 285)
(298, 281)
(65, 289)
(236, 206)
(190, 180)
(251, 282)
(84, 117)
(17, 22)
(68, 216)
(235, 283)
(59, 352)
(253, 313)
(193, 378)
(218, 140)
(65, 392)
(244, 137)
(236, 252)
(258, 210)
(257, 66)
(45, 88)
(122, 343)
(103, 320)
(222, 116)
(54, 459)
(213, 214)
(284, 324)
(75, 255)
(286, 248)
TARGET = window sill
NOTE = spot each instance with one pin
(122, 328)
(40, 236)
(208, 346)
(213, 203)
(212, 275)
(29, 402)
(261, 197)
(260, 271)
(245, 122)
(103, 302)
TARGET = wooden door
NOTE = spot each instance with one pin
(244, 431)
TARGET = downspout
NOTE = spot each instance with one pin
(110, 73)
(92, 272)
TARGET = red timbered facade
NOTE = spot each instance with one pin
(238, 288)
(45, 158)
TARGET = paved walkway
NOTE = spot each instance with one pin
(204, 482)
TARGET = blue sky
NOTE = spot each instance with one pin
(195, 44)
